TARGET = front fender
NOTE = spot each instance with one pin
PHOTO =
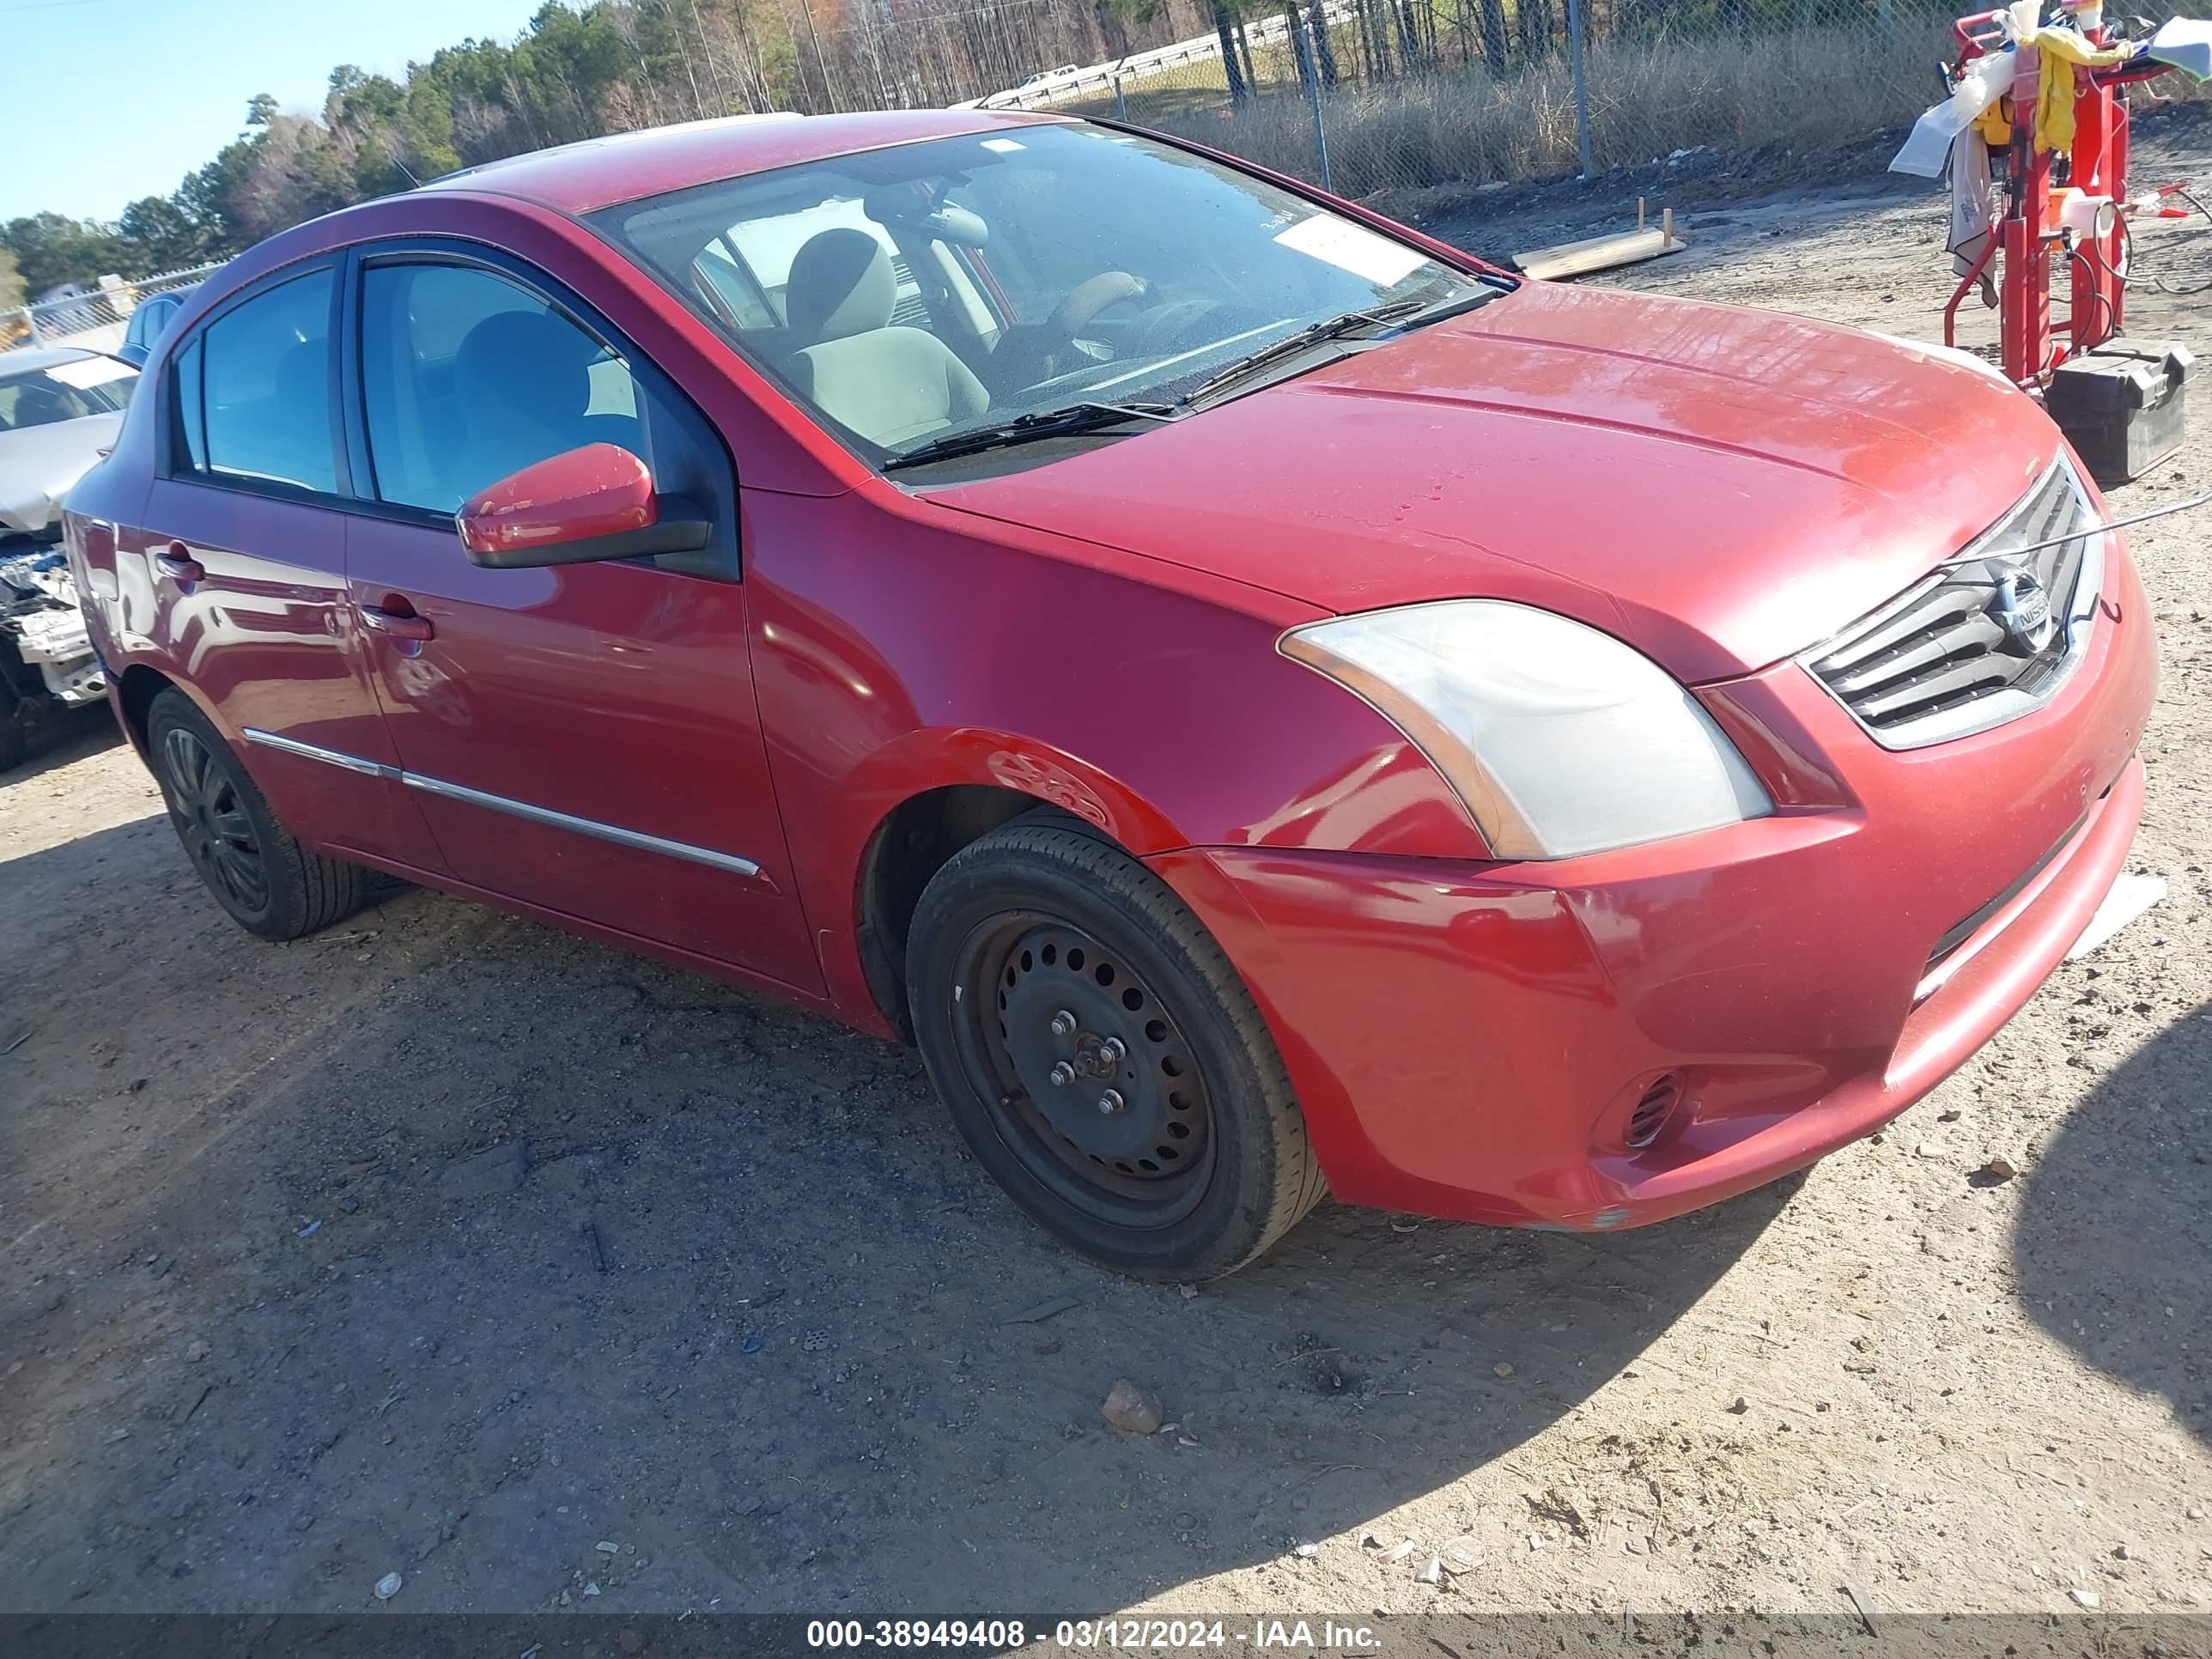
(899, 649)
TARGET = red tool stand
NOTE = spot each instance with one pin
(2122, 405)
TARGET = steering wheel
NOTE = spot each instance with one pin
(1029, 354)
(1169, 325)
(1090, 297)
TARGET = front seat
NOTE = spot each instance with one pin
(890, 384)
(522, 382)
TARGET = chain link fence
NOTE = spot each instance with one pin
(1375, 97)
(97, 318)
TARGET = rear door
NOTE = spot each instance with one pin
(244, 547)
(582, 737)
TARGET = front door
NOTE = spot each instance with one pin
(580, 738)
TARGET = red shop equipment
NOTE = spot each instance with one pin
(2121, 404)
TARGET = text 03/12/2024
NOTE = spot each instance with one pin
(1305, 1635)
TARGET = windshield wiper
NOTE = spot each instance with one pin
(1406, 313)
(1065, 421)
(1313, 334)
(1444, 310)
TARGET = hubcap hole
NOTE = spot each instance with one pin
(1107, 1130)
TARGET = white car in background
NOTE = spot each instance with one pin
(60, 409)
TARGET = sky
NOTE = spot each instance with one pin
(109, 100)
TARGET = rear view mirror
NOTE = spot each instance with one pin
(595, 502)
(902, 207)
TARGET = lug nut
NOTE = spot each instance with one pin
(1063, 1023)
(1063, 1073)
(1113, 1051)
(1111, 1102)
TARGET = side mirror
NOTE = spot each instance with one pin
(595, 502)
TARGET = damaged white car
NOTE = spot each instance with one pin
(59, 411)
(47, 662)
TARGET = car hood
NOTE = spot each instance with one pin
(38, 464)
(1722, 487)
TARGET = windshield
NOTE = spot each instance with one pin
(64, 392)
(907, 295)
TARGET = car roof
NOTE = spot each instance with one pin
(27, 360)
(622, 166)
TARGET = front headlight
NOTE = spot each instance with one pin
(1560, 739)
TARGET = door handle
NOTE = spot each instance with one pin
(395, 618)
(178, 565)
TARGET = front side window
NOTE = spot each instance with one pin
(467, 377)
(908, 293)
(63, 392)
(264, 388)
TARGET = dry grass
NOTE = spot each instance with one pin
(1817, 88)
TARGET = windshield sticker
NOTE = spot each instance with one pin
(1354, 248)
(88, 371)
(1004, 146)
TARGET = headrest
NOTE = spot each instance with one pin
(530, 361)
(301, 378)
(841, 285)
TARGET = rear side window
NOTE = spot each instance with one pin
(261, 375)
(467, 377)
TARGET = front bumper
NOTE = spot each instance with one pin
(1469, 1041)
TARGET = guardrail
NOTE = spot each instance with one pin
(1104, 79)
(95, 320)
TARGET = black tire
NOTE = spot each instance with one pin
(15, 725)
(268, 883)
(1200, 1160)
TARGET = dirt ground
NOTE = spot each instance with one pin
(728, 1319)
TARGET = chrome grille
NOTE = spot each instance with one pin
(1959, 651)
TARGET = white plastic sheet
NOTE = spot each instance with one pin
(2130, 897)
(1929, 142)
(2185, 43)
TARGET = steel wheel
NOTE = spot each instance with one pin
(212, 821)
(1098, 1092)
(1102, 1058)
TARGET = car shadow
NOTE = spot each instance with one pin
(451, 1245)
(62, 737)
(2114, 1230)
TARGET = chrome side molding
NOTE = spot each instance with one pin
(312, 751)
(519, 808)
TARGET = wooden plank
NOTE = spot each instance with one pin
(1626, 247)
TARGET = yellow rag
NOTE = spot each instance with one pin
(2063, 51)
(1995, 123)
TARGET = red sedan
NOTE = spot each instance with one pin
(1266, 702)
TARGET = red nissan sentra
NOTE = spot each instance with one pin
(1268, 703)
